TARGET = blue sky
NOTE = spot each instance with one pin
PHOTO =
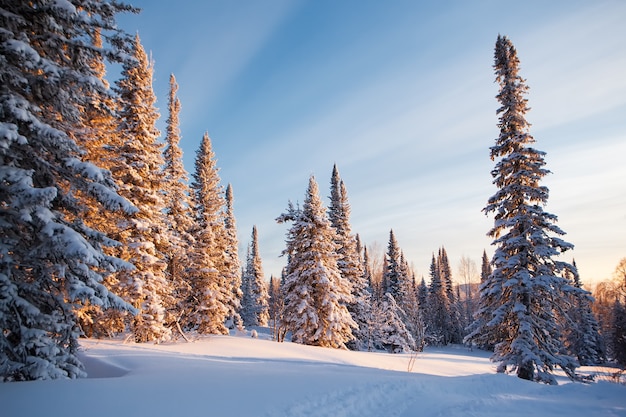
(401, 96)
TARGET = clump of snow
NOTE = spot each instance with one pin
(243, 376)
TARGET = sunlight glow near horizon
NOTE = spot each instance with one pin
(401, 96)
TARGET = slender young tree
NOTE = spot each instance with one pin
(522, 297)
(232, 264)
(275, 308)
(137, 170)
(315, 294)
(50, 260)
(178, 208)
(255, 310)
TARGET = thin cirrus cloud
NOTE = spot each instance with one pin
(224, 47)
(400, 96)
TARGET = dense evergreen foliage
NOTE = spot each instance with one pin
(51, 262)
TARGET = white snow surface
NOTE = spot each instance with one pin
(242, 376)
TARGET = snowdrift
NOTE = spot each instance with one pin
(241, 376)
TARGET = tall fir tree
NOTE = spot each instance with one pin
(50, 260)
(315, 294)
(231, 264)
(138, 172)
(255, 309)
(349, 262)
(521, 298)
(210, 291)
(178, 208)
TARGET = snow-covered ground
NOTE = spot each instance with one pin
(245, 377)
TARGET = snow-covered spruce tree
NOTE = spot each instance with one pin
(255, 310)
(390, 331)
(138, 172)
(522, 297)
(582, 332)
(315, 295)
(210, 296)
(392, 275)
(438, 320)
(349, 262)
(397, 297)
(455, 332)
(178, 208)
(230, 271)
(409, 304)
(50, 261)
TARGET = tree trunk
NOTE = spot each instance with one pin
(526, 371)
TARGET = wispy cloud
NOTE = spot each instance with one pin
(401, 97)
